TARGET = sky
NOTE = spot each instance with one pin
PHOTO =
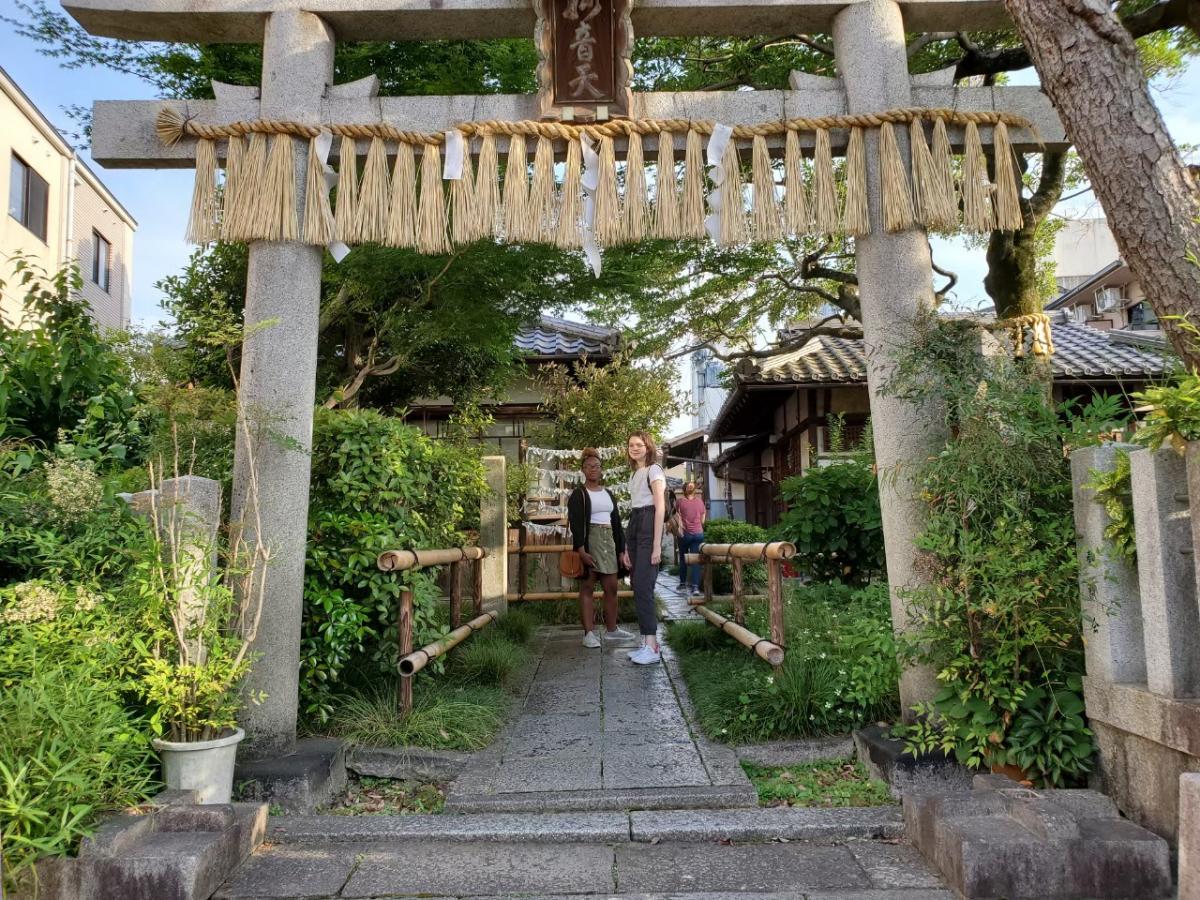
(159, 199)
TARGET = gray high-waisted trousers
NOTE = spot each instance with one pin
(639, 540)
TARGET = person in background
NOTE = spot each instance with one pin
(597, 535)
(643, 544)
(691, 517)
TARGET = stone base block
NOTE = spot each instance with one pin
(302, 781)
(1189, 837)
(409, 763)
(1146, 743)
(173, 850)
(999, 840)
(885, 759)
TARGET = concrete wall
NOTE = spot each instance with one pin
(94, 213)
(1142, 687)
(1081, 249)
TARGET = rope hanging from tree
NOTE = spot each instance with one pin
(1037, 326)
(592, 200)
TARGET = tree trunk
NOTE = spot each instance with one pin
(1089, 67)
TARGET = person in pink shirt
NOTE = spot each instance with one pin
(691, 517)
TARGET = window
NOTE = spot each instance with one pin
(101, 256)
(28, 197)
(1142, 317)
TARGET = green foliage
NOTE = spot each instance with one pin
(57, 373)
(734, 531)
(595, 405)
(834, 520)
(443, 717)
(998, 618)
(489, 658)
(840, 670)
(377, 485)
(828, 784)
(1173, 417)
(71, 745)
(1114, 491)
(517, 625)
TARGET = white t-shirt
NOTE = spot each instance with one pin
(639, 484)
(602, 506)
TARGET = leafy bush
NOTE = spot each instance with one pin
(833, 518)
(733, 531)
(377, 484)
(488, 659)
(840, 670)
(1114, 491)
(998, 617)
(59, 375)
(72, 746)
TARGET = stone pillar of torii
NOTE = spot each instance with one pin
(283, 285)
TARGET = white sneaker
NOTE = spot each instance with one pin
(591, 641)
(635, 651)
(646, 657)
(618, 634)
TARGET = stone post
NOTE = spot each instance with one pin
(1167, 579)
(493, 536)
(278, 382)
(1189, 836)
(1108, 584)
(895, 283)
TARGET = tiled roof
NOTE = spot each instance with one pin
(1079, 352)
(553, 337)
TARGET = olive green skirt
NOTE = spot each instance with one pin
(603, 548)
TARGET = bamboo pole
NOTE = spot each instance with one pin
(405, 629)
(414, 662)
(522, 559)
(775, 598)
(725, 598)
(739, 602)
(762, 648)
(456, 588)
(401, 560)
(770, 550)
(477, 588)
(541, 548)
(555, 595)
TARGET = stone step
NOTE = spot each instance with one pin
(606, 827)
(864, 870)
(686, 797)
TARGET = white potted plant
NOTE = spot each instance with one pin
(203, 623)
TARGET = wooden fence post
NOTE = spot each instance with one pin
(739, 603)
(406, 647)
(477, 589)
(456, 587)
(775, 598)
(707, 562)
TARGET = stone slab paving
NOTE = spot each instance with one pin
(595, 731)
(860, 869)
(674, 605)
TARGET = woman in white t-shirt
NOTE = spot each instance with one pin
(643, 538)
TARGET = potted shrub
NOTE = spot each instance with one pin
(202, 624)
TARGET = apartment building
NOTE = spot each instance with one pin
(58, 211)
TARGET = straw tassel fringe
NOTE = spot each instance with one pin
(465, 227)
(857, 218)
(897, 197)
(634, 209)
(691, 209)
(825, 204)
(371, 216)
(345, 216)
(567, 235)
(733, 217)
(977, 206)
(797, 219)
(204, 220)
(608, 213)
(933, 196)
(1007, 197)
(767, 215)
(402, 207)
(487, 188)
(318, 215)
(431, 210)
(666, 199)
(516, 192)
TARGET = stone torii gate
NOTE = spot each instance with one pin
(298, 37)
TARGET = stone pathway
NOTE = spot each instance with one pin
(595, 731)
(674, 605)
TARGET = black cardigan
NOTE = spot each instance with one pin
(579, 517)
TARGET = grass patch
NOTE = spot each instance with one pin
(444, 716)
(839, 673)
(367, 796)
(833, 783)
(487, 658)
(518, 625)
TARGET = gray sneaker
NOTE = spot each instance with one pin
(618, 634)
(591, 641)
(646, 656)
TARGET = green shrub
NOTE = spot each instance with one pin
(732, 531)
(518, 625)
(998, 617)
(833, 518)
(1114, 491)
(377, 484)
(444, 716)
(840, 670)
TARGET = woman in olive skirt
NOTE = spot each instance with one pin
(597, 535)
